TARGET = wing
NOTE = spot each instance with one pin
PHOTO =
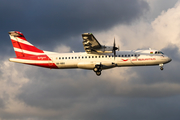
(91, 45)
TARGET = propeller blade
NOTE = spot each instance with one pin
(114, 48)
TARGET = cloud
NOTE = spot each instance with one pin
(60, 20)
(29, 92)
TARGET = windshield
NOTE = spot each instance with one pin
(159, 52)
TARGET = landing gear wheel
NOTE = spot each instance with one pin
(95, 69)
(98, 73)
(161, 68)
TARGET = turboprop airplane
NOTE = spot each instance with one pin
(96, 57)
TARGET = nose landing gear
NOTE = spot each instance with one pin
(161, 66)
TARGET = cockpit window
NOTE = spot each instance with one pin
(159, 52)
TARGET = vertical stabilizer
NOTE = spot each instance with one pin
(21, 46)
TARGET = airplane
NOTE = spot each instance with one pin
(96, 57)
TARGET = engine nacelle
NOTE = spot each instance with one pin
(105, 49)
(91, 65)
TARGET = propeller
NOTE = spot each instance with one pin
(115, 48)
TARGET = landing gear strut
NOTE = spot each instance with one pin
(97, 69)
(161, 66)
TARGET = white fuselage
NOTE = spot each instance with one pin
(123, 58)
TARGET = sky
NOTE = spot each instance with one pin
(140, 93)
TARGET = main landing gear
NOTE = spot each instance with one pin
(161, 66)
(97, 69)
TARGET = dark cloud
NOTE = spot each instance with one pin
(120, 93)
(52, 21)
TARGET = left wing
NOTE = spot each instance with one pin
(91, 45)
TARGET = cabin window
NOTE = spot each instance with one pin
(92, 56)
(112, 56)
(119, 55)
(102, 56)
(59, 57)
(99, 56)
(62, 57)
(128, 55)
(72, 57)
(89, 56)
(106, 56)
(79, 57)
(75, 57)
(138, 54)
(116, 55)
(109, 56)
(135, 55)
(57, 63)
(132, 55)
(85, 56)
(82, 57)
(65, 57)
(125, 55)
(69, 57)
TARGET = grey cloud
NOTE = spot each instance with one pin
(53, 21)
(80, 94)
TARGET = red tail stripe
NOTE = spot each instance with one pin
(19, 54)
(26, 47)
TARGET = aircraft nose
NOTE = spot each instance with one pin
(169, 59)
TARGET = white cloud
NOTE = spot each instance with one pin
(158, 34)
(62, 49)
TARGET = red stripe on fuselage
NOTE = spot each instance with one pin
(46, 65)
(36, 57)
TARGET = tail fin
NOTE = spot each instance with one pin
(21, 46)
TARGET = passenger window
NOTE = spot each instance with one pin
(79, 57)
(95, 56)
(69, 58)
(72, 57)
(92, 56)
(135, 55)
(89, 56)
(82, 57)
(106, 56)
(122, 55)
(109, 56)
(62, 57)
(85, 56)
(132, 55)
(75, 57)
(65, 57)
(119, 55)
(125, 55)
(59, 57)
(112, 55)
(128, 55)
(102, 56)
